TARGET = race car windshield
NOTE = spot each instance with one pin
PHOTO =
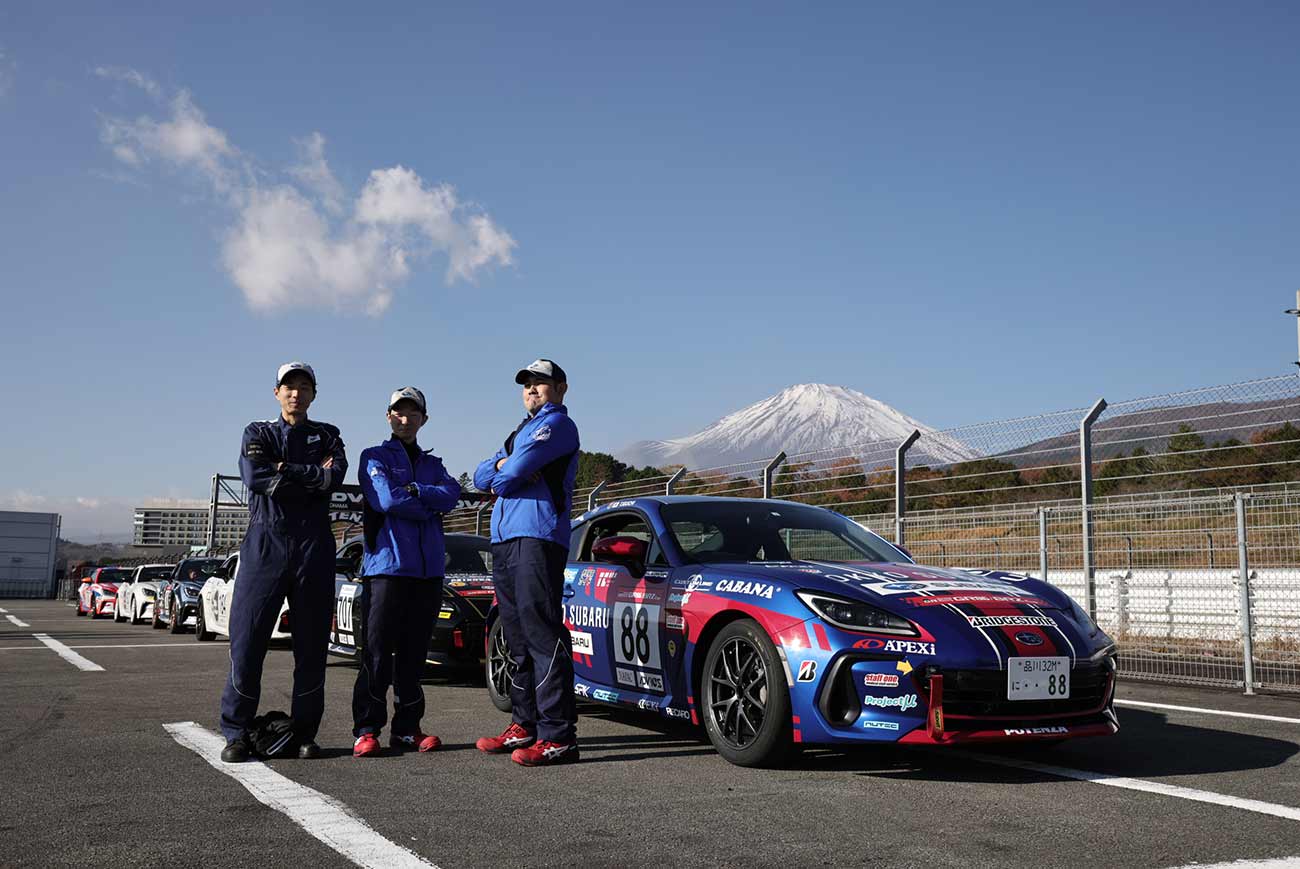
(205, 567)
(763, 531)
(468, 557)
(114, 576)
(153, 574)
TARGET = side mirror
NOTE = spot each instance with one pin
(220, 572)
(86, 580)
(627, 551)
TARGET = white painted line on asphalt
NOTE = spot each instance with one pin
(1277, 863)
(128, 646)
(3, 611)
(67, 654)
(1225, 712)
(1291, 813)
(17, 621)
(322, 816)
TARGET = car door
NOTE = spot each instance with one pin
(225, 596)
(615, 617)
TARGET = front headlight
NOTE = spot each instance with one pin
(852, 615)
(187, 593)
(149, 592)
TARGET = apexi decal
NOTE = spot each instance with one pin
(647, 704)
(580, 689)
(674, 622)
(588, 616)
(903, 702)
(880, 725)
(582, 643)
(984, 597)
(1034, 731)
(1010, 622)
(881, 680)
(605, 696)
(807, 671)
(677, 713)
(753, 589)
(905, 647)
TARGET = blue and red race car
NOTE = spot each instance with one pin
(774, 623)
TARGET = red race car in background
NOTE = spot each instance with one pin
(98, 592)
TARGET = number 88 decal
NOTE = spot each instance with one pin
(638, 635)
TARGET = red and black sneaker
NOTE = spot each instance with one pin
(367, 745)
(546, 753)
(514, 736)
(414, 742)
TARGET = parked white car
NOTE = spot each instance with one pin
(136, 597)
(215, 599)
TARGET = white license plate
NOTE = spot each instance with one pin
(1038, 678)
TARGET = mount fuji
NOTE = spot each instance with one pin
(799, 419)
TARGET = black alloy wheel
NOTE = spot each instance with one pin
(201, 632)
(177, 623)
(745, 699)
(500, 668)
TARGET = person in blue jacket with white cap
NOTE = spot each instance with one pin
(533, 475)
(407, 490)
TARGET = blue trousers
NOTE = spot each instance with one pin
(297, 562)
(400, 614)
(529, 578)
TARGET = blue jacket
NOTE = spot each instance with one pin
(535, 486)
(408, 538)
(294, 500)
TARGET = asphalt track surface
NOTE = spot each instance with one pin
(91, 777)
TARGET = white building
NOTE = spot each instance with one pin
(188, 526)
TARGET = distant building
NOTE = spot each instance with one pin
(28, 544)
(181, 526)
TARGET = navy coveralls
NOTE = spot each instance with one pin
(530, 544)
(288, 551)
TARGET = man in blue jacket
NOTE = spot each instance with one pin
(532, 475)
(407, 490)
(289, 465)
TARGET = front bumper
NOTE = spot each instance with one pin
(106, 606)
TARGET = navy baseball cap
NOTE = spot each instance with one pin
(541, 368)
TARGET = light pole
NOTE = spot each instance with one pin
(1295, 312)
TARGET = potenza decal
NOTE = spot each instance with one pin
(1035, 731)
(880, 680)
(754, 589)
(587, 616)
(582, 643)
(807, 671)
(904, 703)
(905, 647)
(1010, 622)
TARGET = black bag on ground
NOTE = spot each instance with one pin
(273, 735)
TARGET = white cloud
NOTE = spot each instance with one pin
(88, 503)
(131, 77)
(296, 242)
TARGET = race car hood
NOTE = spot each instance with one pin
(148, 585)
(978, 617)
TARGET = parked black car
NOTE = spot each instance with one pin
(178, 596)
(458, 634)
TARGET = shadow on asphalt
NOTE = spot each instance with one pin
(1147, 746)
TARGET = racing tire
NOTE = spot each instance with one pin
(118, 618)
(94, 610)
(177, 623)
(744, 700)
(135, 614)
(156, 623)
(499, 668)
(78, 610)
(201, 632)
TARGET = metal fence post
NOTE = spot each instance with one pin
(1042, 543)
(212, 512)
(478, 517)
(591, 499)
(768, 471)
(672, 481)
(1243, 565)
(900, 484)
(1085, 485)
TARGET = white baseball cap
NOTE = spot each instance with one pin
(289, 367)
(408, 393)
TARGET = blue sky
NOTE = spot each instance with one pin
(969, 211)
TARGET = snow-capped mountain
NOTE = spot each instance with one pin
(799, 419)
